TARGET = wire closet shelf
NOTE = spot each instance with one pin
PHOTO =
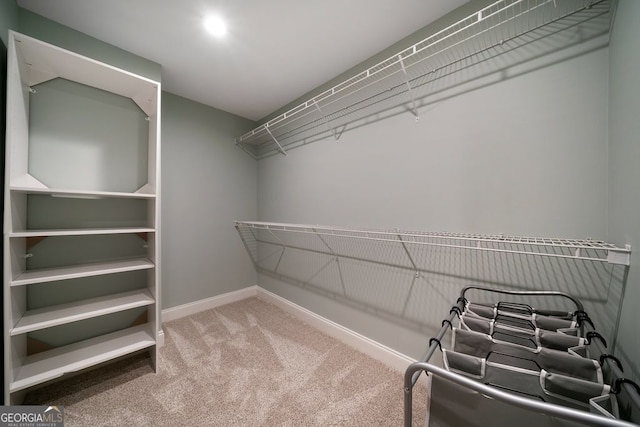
(408, 76)
(253, 233)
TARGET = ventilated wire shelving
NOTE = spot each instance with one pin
(367, 245)
(412, 74)
(405, 276)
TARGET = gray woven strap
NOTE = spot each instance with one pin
(543, 385)
(528, 338)
(554, 361)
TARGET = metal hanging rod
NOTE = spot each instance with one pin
(579, 249)
(396, 80)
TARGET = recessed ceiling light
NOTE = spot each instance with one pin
(215, 25)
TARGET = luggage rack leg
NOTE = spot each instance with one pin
(563, 412)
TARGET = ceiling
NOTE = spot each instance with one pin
(275, 51)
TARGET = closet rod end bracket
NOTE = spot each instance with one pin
(617, 256)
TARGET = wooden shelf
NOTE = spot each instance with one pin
(66, 313)
(52, 364)
(81, 232)
(80, 194)
(83, 270)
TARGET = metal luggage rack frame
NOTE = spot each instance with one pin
(619, 382)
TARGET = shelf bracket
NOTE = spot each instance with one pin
(406, 80)
(326, 121)
(276, 141)
(406, 251)
(619, 256)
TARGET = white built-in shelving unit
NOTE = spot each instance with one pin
(487, 37)
(87, 249)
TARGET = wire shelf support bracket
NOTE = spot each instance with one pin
(414, 107)
(326, 120)
(276, 141)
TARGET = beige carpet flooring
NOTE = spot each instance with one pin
(244, 364)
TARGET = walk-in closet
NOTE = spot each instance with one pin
(272, 213)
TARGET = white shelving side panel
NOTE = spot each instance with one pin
(83, 270)
(81, 232)
(45, 62)
(47, 317)
(81, 194)
(52, 364)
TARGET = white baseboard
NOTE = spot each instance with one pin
(388, 356)
(184, 310)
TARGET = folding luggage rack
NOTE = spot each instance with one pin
(509, 363)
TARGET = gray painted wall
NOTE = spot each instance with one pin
(521, 155)
(207, 183)
(99, 140)
(44, 29)
(507, 158)
(8, 18)
(624, 174)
